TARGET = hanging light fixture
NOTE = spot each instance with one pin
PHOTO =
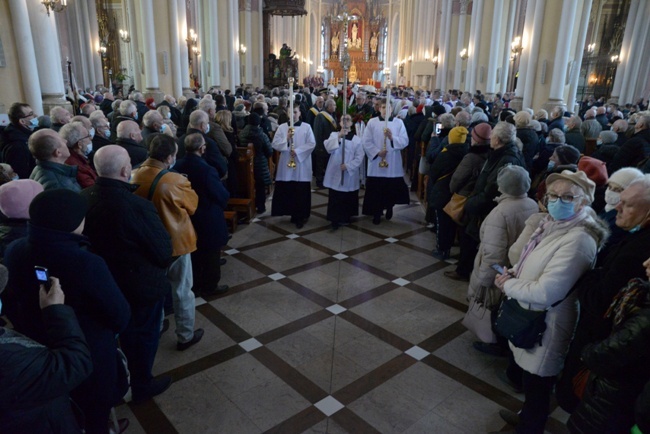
(54, 5)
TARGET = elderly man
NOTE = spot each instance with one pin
(173, 197)
(200, 123)
(55, 241)
(102, 129)
(139, 100)
(216, 131)
(556, 120)
(208, 220)
(481, 201)
(601, 117)
(59, 117)
(620, 127)
(314, 110)
(51, 152)
(636, 148)
(15, 151)
(324, 125)
(106, 105)
(129, 137)
(598, 287)
(573, 134)
(170, 102)
(127, 112)
(126, 231)
(153, 124)
(80, 146)
(591, 127)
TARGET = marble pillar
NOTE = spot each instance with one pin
(151, 89)
(176, 39)
(95, 59)
(579, 52)
(493, 62)
(460, 43)
(181, 14)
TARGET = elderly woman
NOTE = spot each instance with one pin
(607, 146)
(559, 247)
(573, 134)
(540, 163)
(527, 135)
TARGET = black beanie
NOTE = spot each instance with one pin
(439, 110)
(59, 209)
(254, 119)
(567, 154)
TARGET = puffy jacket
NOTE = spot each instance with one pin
(263, 150)
(53, 175)
(632, 152)
(618, 371)
(440, 174)
(466, 174)
(530, 141)
(15, 151)
(175, 201)
(127, 232)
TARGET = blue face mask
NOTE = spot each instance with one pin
(560, 210)
(33, 123)
(551, 165)
(636, 228)
(136, 116)
(107, 134)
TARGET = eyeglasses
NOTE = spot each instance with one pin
(84, 138)
(29, 115)
(564, 198)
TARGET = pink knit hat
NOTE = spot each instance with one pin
(15, 197)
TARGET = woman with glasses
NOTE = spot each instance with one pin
(553, 252)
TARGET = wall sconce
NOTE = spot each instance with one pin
(320, 69)
(463, 54)
(516, 47)
(593, 80)
(426, 55)
(242, 49)
(591, 48)
(196, 51)
(435, 61)
(192, 38)
(124, 35)
(54, 5)
(410, 59)
(102, 49)
(386, 71)
(615, 59)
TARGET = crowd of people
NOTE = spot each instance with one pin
(124, 203)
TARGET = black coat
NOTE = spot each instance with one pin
(127, 232)
(15, 151)
(208, 220)
(440, 173)
(576, 139)
(619, 370)
(11, 230)
(263, 151)
(90, 290)
(213, 155)
(137, 151)
(106, 106)
(176, 113)
(142, 110)
(530, 140)
(632, 152)
(36, 380)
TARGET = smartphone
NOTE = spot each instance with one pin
(438, 128)
(498, 268)
(43, 276)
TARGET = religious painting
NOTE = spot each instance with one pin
(355, 36)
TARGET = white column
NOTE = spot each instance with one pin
(475, 44)
(46, 49)
(26, 55)
(233, 43)
(634, 61)
(260, 42)
(135, 46)
(461, 42)
(149, 51)
(563, 47)
(444, 58)
(535, 39)
(181, 13)
(84, 67)
(175, 52)
(625, 50)
(248, 41)
(94, 37)
(214, 54)
(580, 49)
(505, 66)
(497, 17)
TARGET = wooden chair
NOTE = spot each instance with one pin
(244, 205)
(590, 146)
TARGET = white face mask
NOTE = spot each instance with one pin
(89, 148)
(207, 129)
(107, 133)
(91, 133)
(163, 127)
(169, 115)
(612, 198)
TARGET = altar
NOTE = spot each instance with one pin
(365, 46)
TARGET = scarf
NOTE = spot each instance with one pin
(628, 300)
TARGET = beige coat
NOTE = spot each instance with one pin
(499, 231)
(566, 251)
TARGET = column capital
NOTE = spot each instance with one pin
(464, 6)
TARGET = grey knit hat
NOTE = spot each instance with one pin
(513, 180)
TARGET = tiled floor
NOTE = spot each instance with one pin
(351, 331)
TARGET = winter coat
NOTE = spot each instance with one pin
(540, 162)
(90, 290)
(530, 141)
(481, 200)
(556, 123)
(466, 174)
(440, 174)
(566, 251)
(86, 175)
(263, 151)
(217, 134)
(11, 230)
(208, 220)
(240, 119)
(499, 231)
(53, 175)
(606, 154)
(127, 232)
(575, 138)
(642, 409)
(618, 371)
(137, 151)
(632, 152)
(15, 151)
(212, 156)
(36, 380)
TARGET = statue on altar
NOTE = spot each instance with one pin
(355, 40)
(373, 44)
(352, 75)
(335, 43)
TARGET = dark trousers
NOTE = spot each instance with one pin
(537, 403)
(468, 251)
(445, 231)
(260, 196)
(206, 269)
(319, 160)
(139, 343)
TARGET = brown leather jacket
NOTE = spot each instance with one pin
(175, 201)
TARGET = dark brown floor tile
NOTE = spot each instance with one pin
(299, 422)
(438, 297)
(352, 423)
(366, 248)
(263, 243)
(370, 268)
(419, 274)
(151, 418)
(443, 337)
(315, 245)
(311, 265)
(368, 295)
(375, 330)
(289, 375)
(204, 363)
(306, 292)
(255, 264)
(227, 326)
(373, 379)
(292, 327)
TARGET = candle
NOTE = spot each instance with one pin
(387, 103)
(291, 101)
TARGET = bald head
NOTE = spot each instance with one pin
(127, 130)
(113, 161)
(601, 110)
(48, 145)
(620, 126)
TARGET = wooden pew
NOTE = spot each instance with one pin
(244, 205)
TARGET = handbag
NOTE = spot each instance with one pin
(523, 327)
(478, 318)
(455, 207)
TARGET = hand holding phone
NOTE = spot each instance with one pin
(54, 296)
(43, 277)
(498, 268)
(438, 128)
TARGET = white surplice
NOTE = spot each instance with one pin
(373, 142)
(353, 161)
(303, 144)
